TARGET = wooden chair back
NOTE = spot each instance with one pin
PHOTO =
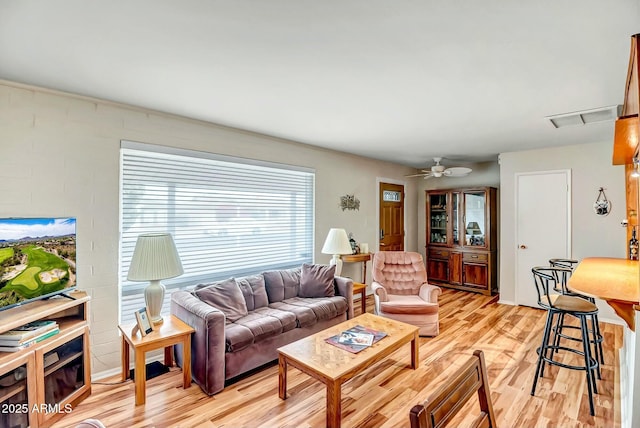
(447, 401)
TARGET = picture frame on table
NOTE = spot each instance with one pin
(143, 321)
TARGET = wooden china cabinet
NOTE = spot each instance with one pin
(462, 238)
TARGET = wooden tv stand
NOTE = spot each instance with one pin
(42, 383)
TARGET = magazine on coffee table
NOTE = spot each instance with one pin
(351, 338)
(356, 338)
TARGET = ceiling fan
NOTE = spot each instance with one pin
(438, 170)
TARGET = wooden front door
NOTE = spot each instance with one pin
(391, 217)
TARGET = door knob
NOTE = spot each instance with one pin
(523, 247)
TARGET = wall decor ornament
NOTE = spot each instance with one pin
(349, 202)
(602, 206)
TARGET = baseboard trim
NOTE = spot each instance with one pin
(117, 370)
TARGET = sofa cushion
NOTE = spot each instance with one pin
(317, 281)
(256, 326)
(255, 294)
(305, 317)
(260, 325)
(237, 337)
(225, 296)
(287, 319)
(324, 308)
(282, 284)
(311, 310)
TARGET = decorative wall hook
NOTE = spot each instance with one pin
(602, 206)
(349, 202)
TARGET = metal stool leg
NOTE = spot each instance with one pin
(558, 332)
(586, 344)
(542, 350)
(597, 344)
(594, 331)
(599, 337)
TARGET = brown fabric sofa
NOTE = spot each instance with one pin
(228, 343)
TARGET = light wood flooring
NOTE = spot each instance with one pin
(382, 395)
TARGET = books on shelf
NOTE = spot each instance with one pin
(29, 330)
(9, 347)
(15, 348)
(24, 336)
(356, 338)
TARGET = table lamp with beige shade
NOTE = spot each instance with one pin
(155, 258)
(337, 244)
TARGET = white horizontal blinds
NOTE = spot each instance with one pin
(228, 217)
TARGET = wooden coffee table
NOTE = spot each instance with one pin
(334, 366)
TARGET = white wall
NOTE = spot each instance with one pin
(592, 235)
(59, 156)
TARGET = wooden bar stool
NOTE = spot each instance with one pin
(546, 282)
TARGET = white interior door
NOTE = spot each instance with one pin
(543, 229)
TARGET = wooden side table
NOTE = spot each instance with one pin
(360, 288)
(171, 332)
(359, 258)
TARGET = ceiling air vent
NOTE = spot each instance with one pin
(586, 116)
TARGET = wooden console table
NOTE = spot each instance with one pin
(359, 258)
(360, 288)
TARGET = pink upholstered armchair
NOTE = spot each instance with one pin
(402, 293)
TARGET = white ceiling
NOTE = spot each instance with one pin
(397, 80)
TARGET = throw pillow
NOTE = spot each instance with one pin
(254, 291)
(317, 281)
(225, 296)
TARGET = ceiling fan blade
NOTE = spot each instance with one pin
(423, 174)
(457, 171)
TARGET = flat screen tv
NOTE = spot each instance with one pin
(37, 259)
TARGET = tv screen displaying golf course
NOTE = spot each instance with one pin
(37, 258)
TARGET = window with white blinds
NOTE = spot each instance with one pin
(228, 216)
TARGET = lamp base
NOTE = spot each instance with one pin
(336, 260)
(154, 298)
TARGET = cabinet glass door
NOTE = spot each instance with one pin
(15, 402)
(455, 216)
(475, 219)
(438, 218)
(64, 371)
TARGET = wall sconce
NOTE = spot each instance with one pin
(636, 168)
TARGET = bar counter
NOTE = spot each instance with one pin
(617, 281)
